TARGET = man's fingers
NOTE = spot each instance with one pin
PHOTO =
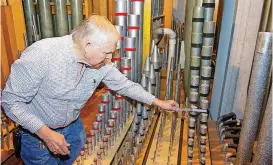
(60, 151)
(66, 144)
(64, 150)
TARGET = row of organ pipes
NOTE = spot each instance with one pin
(122, 125)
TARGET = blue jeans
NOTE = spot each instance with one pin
(33, 154)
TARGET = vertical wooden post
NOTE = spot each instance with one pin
(104, 8)
(19, 22)
(9, 33)
(168, 12)
(5, 68)
(96, 6)
(87, 8)
(111, 10)
(147, 29)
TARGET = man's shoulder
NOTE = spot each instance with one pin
(52, 49)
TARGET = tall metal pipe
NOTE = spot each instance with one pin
(263, 154)
(256, 91)
(126, 68)
(156, 64)
(172, 43)
(133, 31)
(54, 24)
(61, 17)
(121, 14)
(196, 45)
(29, 11)
(116, 58)
(69, 17)
(77, 15)
(46, 18)
(188, 32)
(120, 43)
(147, 66)
(197, 19)
(130, 51)
(137, 7)
(198, 2)
(209, 6)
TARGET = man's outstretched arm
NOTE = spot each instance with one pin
(116, 81)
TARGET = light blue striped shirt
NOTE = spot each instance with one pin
(45, 87)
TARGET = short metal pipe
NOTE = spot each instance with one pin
(194, 83)
(204, 104)
(208, 33)
(206, 55)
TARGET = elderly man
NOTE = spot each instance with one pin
(52, 81)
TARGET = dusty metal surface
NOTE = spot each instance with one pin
(257, 86)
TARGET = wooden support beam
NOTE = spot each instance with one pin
(111, 10)
(168, 10)
(9, 33)
(96, 6)
(104, 8)
(87, 8)
(146, 29)
(5, 68)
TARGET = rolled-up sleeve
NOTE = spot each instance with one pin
(22, 85)
(116, 81)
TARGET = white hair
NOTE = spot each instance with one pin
(96, 28)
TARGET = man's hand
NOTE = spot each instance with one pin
(54, 141)
(168, 105)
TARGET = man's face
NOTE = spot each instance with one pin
(97, 56)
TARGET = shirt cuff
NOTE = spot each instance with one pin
(150, 99)
(34, 125)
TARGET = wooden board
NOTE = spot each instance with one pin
(146, 29)
(9, 33)
(161, 156)
(217, 157)
(104, 8)
(4, 58)
(19, 23)
(168, 13)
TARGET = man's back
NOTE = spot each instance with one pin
(48, 70)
